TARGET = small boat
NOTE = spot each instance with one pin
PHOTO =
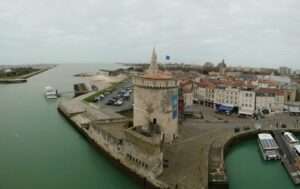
(50, 92)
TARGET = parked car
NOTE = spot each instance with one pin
(94, 88)
(118, 102)
(96, 99)
(126, 97)
(265, 111)
(110, 102)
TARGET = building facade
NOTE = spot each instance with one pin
(204, 92)
(246, 102)
(226, 95)
(187, 92)
(269, 99)
(285, 71)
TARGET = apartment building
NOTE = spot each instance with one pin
(204, 92)
(269, 99)
(226, 99)
(186, 87)
(247, 102)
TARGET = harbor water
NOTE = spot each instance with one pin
(246, 169)
(39, 148)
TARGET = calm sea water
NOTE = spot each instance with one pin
(247, 170)
(39, 149)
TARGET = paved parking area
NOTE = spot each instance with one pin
(127, 104)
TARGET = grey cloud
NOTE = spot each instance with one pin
(250, 32)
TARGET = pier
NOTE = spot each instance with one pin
(289, 157)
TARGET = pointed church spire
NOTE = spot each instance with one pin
(153, 68)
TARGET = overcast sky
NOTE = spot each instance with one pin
(243, 32)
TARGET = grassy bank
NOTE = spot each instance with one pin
(17, 73)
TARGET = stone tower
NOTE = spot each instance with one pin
(156, 101)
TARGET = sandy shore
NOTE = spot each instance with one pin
(103, 81)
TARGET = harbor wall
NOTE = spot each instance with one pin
(143, 181)
(217, 178)
(238, 138)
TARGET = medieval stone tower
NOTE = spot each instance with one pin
(156, 101)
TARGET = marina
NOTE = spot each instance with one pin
(284, 146)
(256, 172)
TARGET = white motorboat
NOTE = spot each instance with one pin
(50, 92)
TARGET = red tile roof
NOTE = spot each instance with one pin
(270, 91)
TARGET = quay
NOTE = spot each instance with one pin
(289, 157)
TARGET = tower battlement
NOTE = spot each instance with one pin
(154, 83)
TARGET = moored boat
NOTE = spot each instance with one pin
(50, 92)
(268, 147)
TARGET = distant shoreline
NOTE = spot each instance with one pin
(22, 78)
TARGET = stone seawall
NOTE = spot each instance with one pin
(146, 182)
(217, 178)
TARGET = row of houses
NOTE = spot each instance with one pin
(237, 96)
